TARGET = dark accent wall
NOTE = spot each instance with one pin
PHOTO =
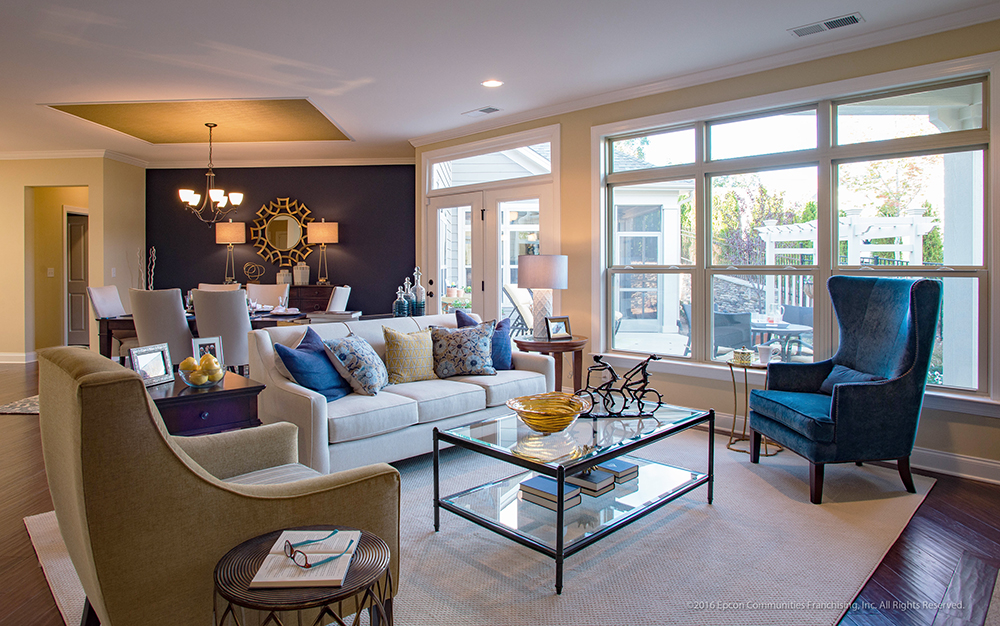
(373, 205)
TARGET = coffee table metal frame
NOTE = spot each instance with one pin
(560, 471)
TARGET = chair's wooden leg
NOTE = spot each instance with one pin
(754, 446)
(89, 617)
(903, 465)
(816, 483)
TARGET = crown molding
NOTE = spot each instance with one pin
(959, 19)
(73, 154)
(176, 165)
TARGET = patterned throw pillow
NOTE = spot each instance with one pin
(358, 362)
(463, 351)
(409, 357)
(308, 365)
(501, 348)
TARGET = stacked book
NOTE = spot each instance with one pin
(593, 481)
(320, 317)
(623, 471)
(542, 490)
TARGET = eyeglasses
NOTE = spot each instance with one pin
(302, 560)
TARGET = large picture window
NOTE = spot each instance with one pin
(714, 250)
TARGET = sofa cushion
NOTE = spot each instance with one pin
(506, 385)
(841, 374)
(357, 416)
(357, 362)
(463, 351)
(408, 356)
(288, 473)
(309, 365)
(805, 413)
(437, 399)
(500, 347)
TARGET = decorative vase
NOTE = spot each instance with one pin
(284, 277)
(419, 294)
(301, 273)
(400, 308)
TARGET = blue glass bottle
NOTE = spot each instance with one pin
(400, 308)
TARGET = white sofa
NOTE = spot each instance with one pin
(395, 424)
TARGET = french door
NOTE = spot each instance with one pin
(474, 239)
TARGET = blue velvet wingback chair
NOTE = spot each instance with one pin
(864, 403)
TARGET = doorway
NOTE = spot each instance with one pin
(77, 302)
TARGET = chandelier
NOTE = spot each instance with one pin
(216, 204)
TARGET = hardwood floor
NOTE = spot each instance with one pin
(958, 518)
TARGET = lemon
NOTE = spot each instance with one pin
(216, 375)
(209, 360)
(188, 364)
(198, 378)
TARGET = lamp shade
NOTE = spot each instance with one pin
(543, 271)
(322, 232)
(230, 232)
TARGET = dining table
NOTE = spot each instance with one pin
(783, 331)
(108, 326)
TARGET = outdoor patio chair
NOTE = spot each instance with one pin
(522, 322)
(730, 330)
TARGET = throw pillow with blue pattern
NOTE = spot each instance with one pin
(502, 350)
(358, 362)
(463, 351)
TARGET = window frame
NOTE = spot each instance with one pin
(985, 400)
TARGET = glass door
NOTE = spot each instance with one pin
(455, 229)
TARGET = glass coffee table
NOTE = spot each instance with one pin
(587, 442)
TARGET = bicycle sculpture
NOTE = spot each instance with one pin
(616, 399)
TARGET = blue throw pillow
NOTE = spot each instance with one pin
(841, 374)
(310, 367)
(500, 349)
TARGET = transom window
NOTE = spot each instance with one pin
(716, 249)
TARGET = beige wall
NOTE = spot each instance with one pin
(962, 434)
(115, 200)
(50, 241)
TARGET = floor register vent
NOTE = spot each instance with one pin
(825, 25)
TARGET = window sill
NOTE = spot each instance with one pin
(936, 400)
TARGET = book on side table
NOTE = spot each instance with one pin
(623, 471)
(541, 490)
(593, 482)
(328, 555)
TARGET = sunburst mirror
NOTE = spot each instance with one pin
(279, 232)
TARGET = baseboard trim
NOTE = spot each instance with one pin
(18, 357)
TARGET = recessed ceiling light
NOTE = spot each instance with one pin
(491, 83)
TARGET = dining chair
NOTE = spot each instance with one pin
(159, 318)
(338, 299)
(107, 303)
(267, 295)
(213, 287)
(224, 314)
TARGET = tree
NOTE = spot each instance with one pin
(736, 214)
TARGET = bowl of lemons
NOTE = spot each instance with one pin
(201, 374)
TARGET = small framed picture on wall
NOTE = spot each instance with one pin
(200, 346)
(558, 328)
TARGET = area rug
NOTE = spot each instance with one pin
(760, 554)
(28, 406)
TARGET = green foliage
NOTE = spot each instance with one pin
(738, 212)
(933, 245)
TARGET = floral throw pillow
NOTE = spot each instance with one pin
(358, 362)
(463, 351)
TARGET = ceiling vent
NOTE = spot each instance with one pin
(825, 25)
(481, 112)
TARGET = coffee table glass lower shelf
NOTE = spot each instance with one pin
(588, 442)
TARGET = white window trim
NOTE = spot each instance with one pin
(970, 66)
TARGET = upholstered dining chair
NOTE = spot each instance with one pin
(338, 298)
(106, 302)
(160, 318)
(224, 314)
(267, 295)
(215, 287)
(864, 403)
(146, 516)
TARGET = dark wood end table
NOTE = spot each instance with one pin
(368, 582)
(189, 411)
(557, 348)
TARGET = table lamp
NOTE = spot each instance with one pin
(323, 232)
(542, 273)
(229, 233)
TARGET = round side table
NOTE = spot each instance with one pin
(770, 447)
(556, 347)
(368, 582)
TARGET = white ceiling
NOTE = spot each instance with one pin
(391, 71)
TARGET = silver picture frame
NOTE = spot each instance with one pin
(153, 364)
(201, 346)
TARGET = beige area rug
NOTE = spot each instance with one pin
(28, 406)
(57, 566)
(760, 554)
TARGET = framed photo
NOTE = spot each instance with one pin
(558, 328)
(200, 346)
(152, 363)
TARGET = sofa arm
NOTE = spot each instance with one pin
(236, 452)
(541, 363)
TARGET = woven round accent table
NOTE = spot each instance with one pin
(368, 583)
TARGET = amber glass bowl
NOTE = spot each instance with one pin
(548, 412)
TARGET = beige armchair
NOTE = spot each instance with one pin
(146, 516)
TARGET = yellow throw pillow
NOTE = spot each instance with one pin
(409, 357)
